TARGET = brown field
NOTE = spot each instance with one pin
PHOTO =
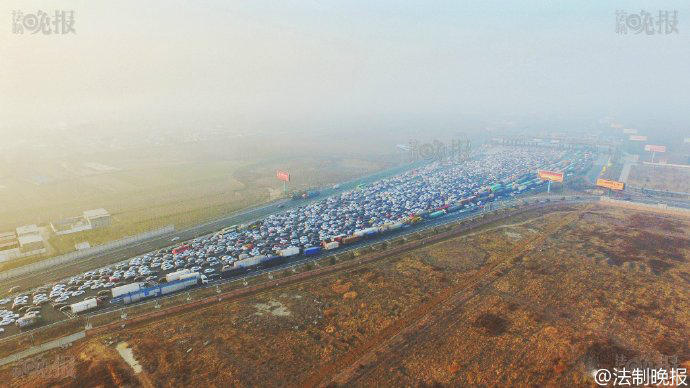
(666, 178)
(541, 299)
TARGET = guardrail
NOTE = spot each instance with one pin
(72, 256)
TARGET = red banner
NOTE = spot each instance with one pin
(283, 176)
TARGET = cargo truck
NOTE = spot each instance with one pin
(250, 261)
(176, 275)
(370, 231)
(437, 214)
(190, 280)
(350, 239)
(312, 251)
(331, 245)
(86, 304)
(127, 288)
(201, 279)
(289, 251)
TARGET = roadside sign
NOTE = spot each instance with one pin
(609, 184)
(283, 176)
(553, 176)
(655, 148)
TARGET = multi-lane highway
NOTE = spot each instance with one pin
(59, 272)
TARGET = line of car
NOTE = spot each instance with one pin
(324, 223)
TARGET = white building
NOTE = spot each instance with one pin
(31, 244)
(97, 218)
(27, 230)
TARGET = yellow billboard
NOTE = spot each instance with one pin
(553, 176)
(609, 184)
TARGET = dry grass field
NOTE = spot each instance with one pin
(543, 298)
(180, 184)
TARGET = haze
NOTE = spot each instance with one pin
(266, 65)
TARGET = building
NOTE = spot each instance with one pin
(31, 244)
(90, 219)
(70, 225)
(97, 218)
(28, 230)
(27, 241)
(8, 240)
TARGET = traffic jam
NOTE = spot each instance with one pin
(327, 224)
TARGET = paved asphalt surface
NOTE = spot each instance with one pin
(60, 272)
(380, 238)
(299, 260)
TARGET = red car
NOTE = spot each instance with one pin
(180, 249)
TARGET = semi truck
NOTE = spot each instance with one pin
(86, 304)
(125, 289)
(187, 281)
(176, 275)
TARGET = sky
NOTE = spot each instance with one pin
(318, 64)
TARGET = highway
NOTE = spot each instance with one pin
(63, 271)
(391, 235)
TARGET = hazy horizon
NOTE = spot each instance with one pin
(327, 65)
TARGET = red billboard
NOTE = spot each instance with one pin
(655, 148)
(553, 176)
(638, 138)
(283, 176)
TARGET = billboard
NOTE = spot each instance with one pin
(655, 148)
(283, 176)
(553, 176)
(629, 131)
(613, 185)
(638, 138)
